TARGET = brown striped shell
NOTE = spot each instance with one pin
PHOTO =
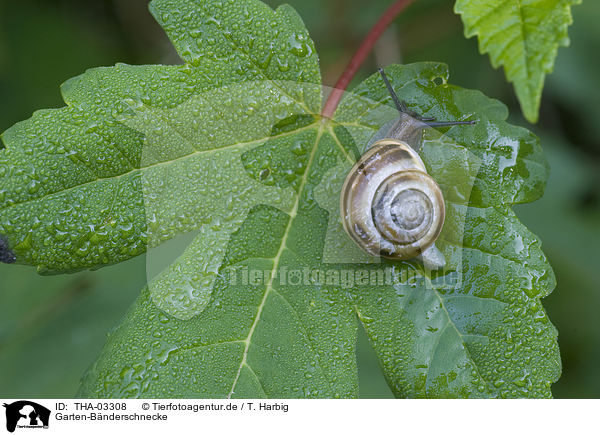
(389, 205)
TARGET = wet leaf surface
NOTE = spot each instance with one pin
(229, 149)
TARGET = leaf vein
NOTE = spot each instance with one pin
(178, 159)
(276, 261)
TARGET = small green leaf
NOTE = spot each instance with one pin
(523, 36)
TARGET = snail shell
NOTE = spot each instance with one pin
(390, 206)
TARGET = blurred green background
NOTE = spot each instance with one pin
(52, 328)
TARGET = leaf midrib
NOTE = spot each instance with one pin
(276, 260)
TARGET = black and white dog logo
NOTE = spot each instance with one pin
(26, 414)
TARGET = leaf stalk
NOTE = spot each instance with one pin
(361, 54)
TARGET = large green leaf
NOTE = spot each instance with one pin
(229, 150)
(521, 35)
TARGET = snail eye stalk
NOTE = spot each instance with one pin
(400, 105)
(403, 108)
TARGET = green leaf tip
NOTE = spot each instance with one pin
(523, 37)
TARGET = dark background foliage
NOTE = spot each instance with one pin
(52, 328)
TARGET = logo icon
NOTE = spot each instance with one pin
(26, 414)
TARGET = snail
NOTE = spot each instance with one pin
(390, 206)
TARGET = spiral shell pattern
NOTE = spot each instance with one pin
(389, 205)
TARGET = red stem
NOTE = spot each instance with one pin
(361, 54)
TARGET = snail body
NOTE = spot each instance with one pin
(389, 205)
